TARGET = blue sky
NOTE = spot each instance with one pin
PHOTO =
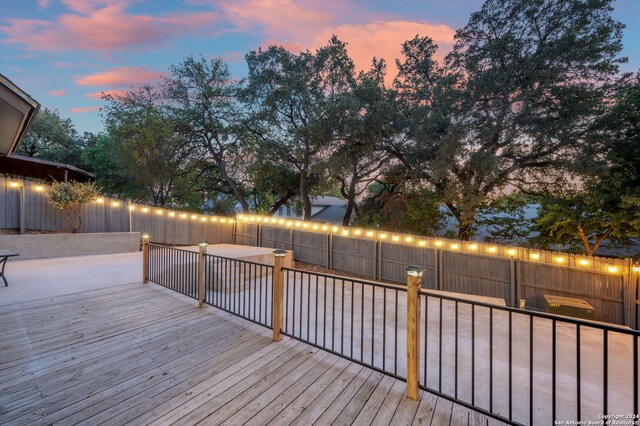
(66, 52)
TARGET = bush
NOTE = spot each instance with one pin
(70, 197)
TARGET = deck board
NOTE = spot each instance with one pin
(141, 354)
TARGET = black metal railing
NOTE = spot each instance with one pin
(240, 287)
(518, 366)
(174, 268)
(526, 367)
(358, 320)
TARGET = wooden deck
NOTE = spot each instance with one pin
(144, 355)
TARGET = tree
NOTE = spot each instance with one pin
(70, 197)
(360, 157)
(606, 204)
(202, 98)
(292, 113)
(53, 138)
(513, 101)
(141, 155)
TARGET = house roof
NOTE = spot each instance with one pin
(17, 111)
(328, 201)
(18, 165)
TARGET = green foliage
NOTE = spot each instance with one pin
(607, 205)
(512, 103)
(508, 219)
(53, 138)
(70, 197)
(401, 209)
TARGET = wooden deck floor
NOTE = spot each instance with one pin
(138, 354)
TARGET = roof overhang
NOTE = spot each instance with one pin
(17, 165)
(17, 111)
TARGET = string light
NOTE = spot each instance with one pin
(357, 232)
(370, 234)
(583, 262)
(512, 252)
(613, 269)
(383, 236)
(438, 243)
(534, 256)
(455, 246)
(559, 259)
(325, 227)
(100, 200)
(132, 208)
(636, 268)
(203, 219)
(214, 219)
(422, 243)
(172, 214)
(223, 220)
(334, 229)
(473, 247)
(145, 210)
(183, 216)
(194, 217)
(315, 227)
(14, 184)
(159, 212)
(492, 249)
(395, 238)
(408, 239)
(115, 204)
(39, 188)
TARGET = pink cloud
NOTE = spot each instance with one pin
(278, 19)
(302, 24)
(44, 3)
(120, 77)
(383, 39)
(98, 95)
(85, 109)
(102, 25)
(60, 92)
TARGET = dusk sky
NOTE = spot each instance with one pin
(65, 52)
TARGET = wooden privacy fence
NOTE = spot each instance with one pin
(24, 206)
(509, 273)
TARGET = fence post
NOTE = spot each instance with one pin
(414, 282)
(145, 258)
(278, 287)
(202, 250)
(23, 206)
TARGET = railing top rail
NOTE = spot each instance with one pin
(355, 280)
(172, 248)
(238, 260)
(549, 316)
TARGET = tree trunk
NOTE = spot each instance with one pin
(351, 202)
(281, 202)
(304, 195)
(234, 188)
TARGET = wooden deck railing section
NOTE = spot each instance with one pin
(517, 366)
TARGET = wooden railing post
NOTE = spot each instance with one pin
(278, 290)
(202, 250)
(145, 258)
(414, 282)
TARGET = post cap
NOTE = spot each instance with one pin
(415, 271)
(203, 244)
(146, 236)
(279, 253)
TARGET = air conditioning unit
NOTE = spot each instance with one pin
(567, 306)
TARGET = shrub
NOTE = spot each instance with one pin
(70, 197)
